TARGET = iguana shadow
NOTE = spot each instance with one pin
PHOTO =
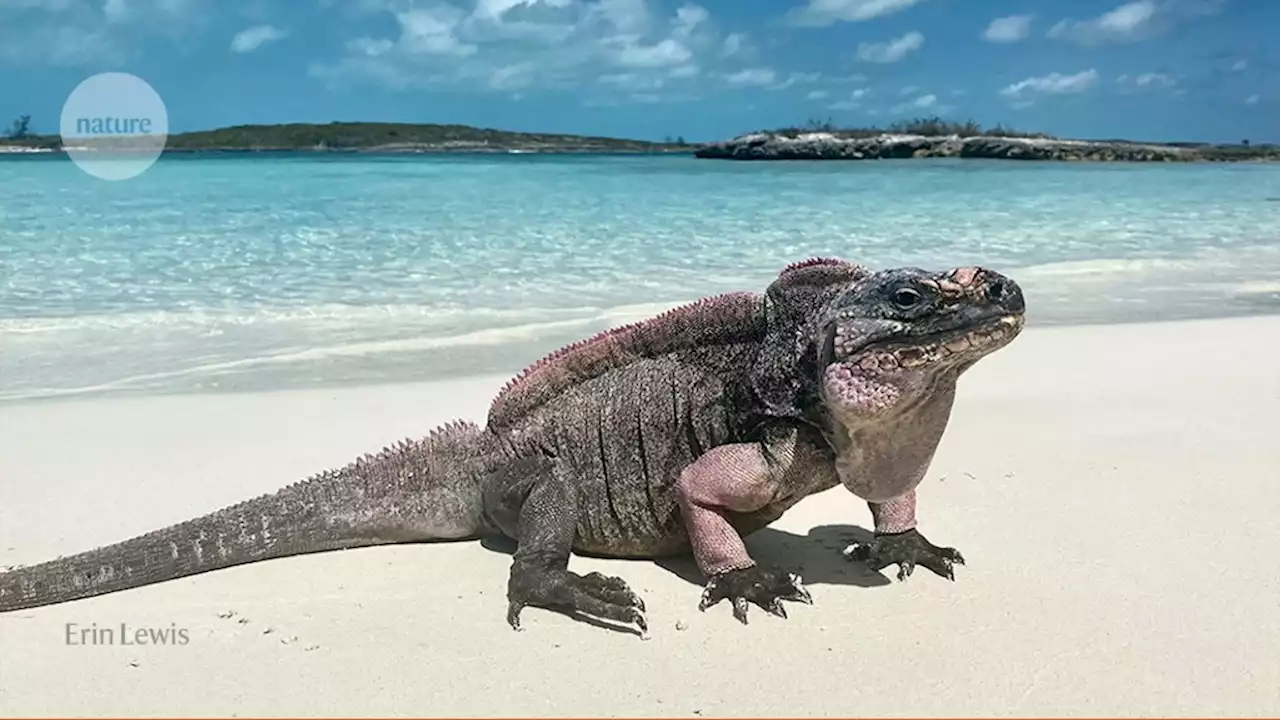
(816, 556)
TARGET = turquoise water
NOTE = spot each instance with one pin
(273, 272)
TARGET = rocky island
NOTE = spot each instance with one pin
(932, 139)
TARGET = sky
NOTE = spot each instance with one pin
(1198, 70)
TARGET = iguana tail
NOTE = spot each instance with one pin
(428, 489)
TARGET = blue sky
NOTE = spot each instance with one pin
(702, 69)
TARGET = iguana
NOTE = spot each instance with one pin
(684, 432)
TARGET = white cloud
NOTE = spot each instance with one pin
(1052, 84)
(909, 90)
(1154, 80)
(608, 45)
(252, 38)
(891, 51)
(140, 11)
(797, 78)
(1240, 66)
(1127, 22)
(752, 77)
(769, 78)
(853, 101)
(1253, 99)
(817, 95)
(433, 31)
(1008, 29)
(1133, 21)
(923, 103)
(101, 35)
(1146, 81)
(662, 54)
(512, 77)
(821, 13)
(733, 44)
(689, 17)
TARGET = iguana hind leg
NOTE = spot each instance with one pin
(540, 573)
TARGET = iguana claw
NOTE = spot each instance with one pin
(906, 550)
(595, 594)
(766, 588)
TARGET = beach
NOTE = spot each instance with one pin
(1112, 487)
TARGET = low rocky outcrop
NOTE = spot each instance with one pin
(833, 146)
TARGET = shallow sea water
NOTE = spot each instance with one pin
(274, 271)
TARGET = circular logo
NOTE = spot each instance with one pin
(114, 126)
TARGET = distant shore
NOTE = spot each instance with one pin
(365, 138)
(826, 145)
(925, 138)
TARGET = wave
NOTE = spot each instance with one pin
(1244, 261)
(182, 344)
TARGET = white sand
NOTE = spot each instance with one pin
(1114, 489)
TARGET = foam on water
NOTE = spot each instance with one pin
(268, 272)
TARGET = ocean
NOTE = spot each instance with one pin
(239, 273)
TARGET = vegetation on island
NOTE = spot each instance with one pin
(401, 136)
(366, 136)
(928, 126)
(20, 128)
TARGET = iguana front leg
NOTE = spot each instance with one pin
(898, 541)
(754, 482)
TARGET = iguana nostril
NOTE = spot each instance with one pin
(1005, 293)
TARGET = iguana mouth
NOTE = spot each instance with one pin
(911, 352)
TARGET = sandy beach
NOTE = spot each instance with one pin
(1112, 487)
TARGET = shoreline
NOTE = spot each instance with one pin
(1088, 474)
(103, 392)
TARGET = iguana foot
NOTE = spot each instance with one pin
(766, 588)
(594, 594)
(906, 549)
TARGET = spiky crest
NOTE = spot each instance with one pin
(715, 320)
(819, 271)
(455, 436)
(810, 262)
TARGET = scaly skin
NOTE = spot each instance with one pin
(683, 433)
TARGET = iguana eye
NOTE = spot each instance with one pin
(906, 298)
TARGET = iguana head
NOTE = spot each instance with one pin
(907, 328)
(862, 343)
